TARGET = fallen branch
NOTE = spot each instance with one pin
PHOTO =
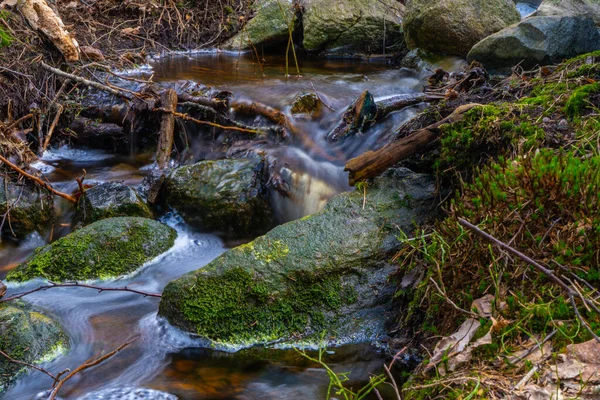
(273, 115)
(186, 117)
(23, 363)
(112, 90)
(372, 163)
(100, 289)
(58, 384)
(549, 274)
(40, 182)
(167, 128)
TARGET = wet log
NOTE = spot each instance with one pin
(273, 115)
(42, 18)
(372, 163)
(365, 111)
(218, 104)
(168, 101)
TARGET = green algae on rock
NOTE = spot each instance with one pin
(27, 336)
(30, 208)
(224, 195)
(108, 200)
(325, 272)
(105, 249)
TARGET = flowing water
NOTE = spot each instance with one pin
(164, 358)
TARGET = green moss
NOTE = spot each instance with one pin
(105, 249)
(6, 38)
(579, 100)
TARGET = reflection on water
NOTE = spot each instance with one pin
(166, 359)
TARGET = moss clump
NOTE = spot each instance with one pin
(6, 38)
(580, 99)
(102, 250)
(27, 336)
(486, 132)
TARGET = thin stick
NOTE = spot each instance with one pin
(19, 362)
(86, 365)
(100, 289)
(9, 127)
(40, 182)
(186, 117)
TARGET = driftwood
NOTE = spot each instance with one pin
(167, 128)
(372, 163)
(273, 115)
(365, 111)
(42, 18)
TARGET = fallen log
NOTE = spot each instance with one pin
(273, 115)
(42, 18)
(168, 101)
(365, 111)
(372, 163)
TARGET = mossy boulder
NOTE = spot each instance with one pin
(563, 8)
(228, 196)
(268, 27)
(537, 41)
(109, 200)
(30, 209)
(340, 26)
(105, 249)
(325, 272)
(452, 27)
(27, 336)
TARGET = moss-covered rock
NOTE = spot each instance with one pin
(29, 208)
(225, 195)
(340, 26)
(325, 272)
(27, 336)
(109, 200)
(452, 27)
(306, 104)
(105, 249)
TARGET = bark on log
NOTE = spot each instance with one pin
(373, 163)
(269, 113)
(42, 18)
(365, 111)
(168, 101)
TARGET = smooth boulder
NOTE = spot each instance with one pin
(228, 196)
(326, 272)
(268, 27)
(27, 336)
(562, 8)
(537, 41)
(452, 27)
(109, 200)
(106, 249)
(28, 208)
(346, 26)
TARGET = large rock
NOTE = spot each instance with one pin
(27, 336)
(537, 41)
(340, 26)
(225, 195)
(267, 28)
(108, 200)
(452, 27)
(590, 8)
(326, 272)
(29, 208)
(105, 249)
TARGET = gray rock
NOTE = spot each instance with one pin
(224, 195)
(109, 200)
(346, 26)
(27, 336)
(452, 27)
(30, 209)
(562, 8)
(106, 249)
(325, 272)
(537, 41)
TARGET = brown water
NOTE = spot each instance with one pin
(164, 358)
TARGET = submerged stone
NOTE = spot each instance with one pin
(228, 196)
(326, 272)
(108, 200)
(306, 104)
(452, 27)
(537, 41)
(105, 249)
(27, 336)
(28, 209)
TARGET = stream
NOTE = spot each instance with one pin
(165, 359)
